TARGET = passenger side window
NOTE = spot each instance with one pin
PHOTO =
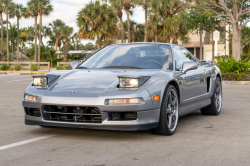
(181, 55)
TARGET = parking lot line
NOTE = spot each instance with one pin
(25, 142)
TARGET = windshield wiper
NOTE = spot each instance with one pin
(82, 67)
(122, 67)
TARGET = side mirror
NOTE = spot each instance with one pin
(189, 65)
(73, 65)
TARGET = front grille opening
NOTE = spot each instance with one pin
(32, 112)
(120, 116)
(72, 114)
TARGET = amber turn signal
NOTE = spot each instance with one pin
(156, 98)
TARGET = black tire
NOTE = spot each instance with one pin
(215, 107)
(163, 126)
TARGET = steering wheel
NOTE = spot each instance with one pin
(153, 61)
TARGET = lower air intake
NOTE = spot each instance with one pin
(72, 114)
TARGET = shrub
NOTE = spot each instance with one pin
(34, 67)
(245, 56)
(5, 67)
(67, 67)
(230, 65)
(17, 67)
(59, 67)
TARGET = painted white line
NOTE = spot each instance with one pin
(24, 142)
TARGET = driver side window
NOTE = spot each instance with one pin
(181, 55)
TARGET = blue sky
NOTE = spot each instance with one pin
(67, 10)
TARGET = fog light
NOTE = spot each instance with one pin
(125, 101)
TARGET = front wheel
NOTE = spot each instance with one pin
(215, 107)
(169, 114)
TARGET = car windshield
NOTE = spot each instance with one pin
(143, 56)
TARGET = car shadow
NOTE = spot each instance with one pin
(76, 133)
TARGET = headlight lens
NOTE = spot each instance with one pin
(129, 82)
(30, 98)
(40, 81)
(125, 101)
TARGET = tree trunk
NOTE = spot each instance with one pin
(167, 39)
(122, 29)
(156, 38)
(17, 42)
(146, 25)
(35, 58)
(22, 52)
(201, 56)
(1, 53)
(175, 40)
(7, 44)
(12, 49)
(98, 43)
(212, 45)
(114, 39)
(128, 24)
(236, 42)
(40, 36)
(66, 50)
(56, 43)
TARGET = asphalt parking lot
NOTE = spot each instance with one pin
(199, 140)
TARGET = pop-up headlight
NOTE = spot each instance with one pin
(40, 81)
(44, 80)
(132, 82)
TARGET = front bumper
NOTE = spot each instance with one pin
(146, 120)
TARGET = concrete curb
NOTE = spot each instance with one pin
(235, 82)
(24, 72)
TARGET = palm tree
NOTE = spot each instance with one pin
(13, 36)
(127, 6)
(118, 6)
(66, 35)
(1, 15)
(46, 31)
(146, 5)
(51, 57)
(7, 8)
(45, 8)
(96, 20)
(17, 12)
(57, 26)
(32, 10)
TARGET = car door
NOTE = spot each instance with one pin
(193, 84)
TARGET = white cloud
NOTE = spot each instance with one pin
(67, 10)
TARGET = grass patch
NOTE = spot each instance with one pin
(17, 67)
(4, 67)
(34, 67)
(59, 67)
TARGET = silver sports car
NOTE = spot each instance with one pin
(135, 86)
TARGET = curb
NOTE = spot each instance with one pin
(235, 82)
(24, 72)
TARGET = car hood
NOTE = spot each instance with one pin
(91, 83)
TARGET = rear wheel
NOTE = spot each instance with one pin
(215, 107)
(169, 114)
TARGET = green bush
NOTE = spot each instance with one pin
(4, 67)
(230, 65)
(245, 56)
(67, 67)
(59, 67)
(34, 67)
(17, 67)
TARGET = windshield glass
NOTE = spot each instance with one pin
(148, 56)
